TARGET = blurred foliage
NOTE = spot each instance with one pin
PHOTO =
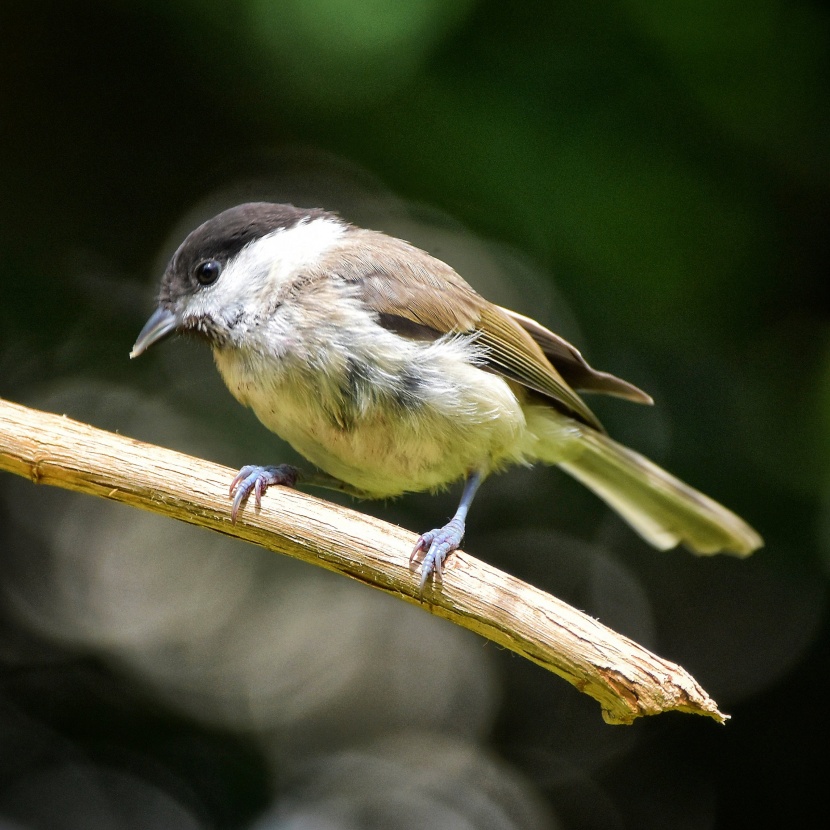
(651, 179)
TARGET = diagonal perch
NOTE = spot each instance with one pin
(627, 680)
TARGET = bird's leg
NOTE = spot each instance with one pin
(441, 542)
(256, 480)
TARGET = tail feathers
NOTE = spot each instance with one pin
(660, 507)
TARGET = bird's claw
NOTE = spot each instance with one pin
(256, 480)
(436, 545)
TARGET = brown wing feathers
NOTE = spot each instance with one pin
(513, 353)
(573, 366)
(419, 296)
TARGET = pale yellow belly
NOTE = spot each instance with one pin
(386, 451)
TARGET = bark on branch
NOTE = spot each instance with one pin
(627, 680)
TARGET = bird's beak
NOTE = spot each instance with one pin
(162, 323)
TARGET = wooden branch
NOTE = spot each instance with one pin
(626, 679)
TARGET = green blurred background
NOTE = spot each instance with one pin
(649, 179)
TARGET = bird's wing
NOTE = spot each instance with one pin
(421, 297)
(573, 366)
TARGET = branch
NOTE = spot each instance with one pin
(626, 679)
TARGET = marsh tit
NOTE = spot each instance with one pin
(379, 364)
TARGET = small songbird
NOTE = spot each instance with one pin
(379, 364)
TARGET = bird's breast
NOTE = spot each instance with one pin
(384, 427)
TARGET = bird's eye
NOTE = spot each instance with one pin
(207, 272)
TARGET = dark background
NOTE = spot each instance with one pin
(649, 179)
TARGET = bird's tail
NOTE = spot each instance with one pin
(660, 507)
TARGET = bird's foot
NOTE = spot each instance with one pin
(436, 545)
(257, 480)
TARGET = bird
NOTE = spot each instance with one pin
(387, 371)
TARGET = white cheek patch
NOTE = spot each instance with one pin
(268, 263)
(250, 279)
